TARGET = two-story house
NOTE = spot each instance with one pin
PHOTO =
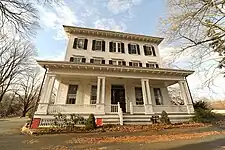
(116, 76)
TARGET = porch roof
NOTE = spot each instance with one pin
(106, 67)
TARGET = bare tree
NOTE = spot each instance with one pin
(199, 27)
(29, 86)
(15, 60)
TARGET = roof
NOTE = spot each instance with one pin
(107, 67)
(113, 34)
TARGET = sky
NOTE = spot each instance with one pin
(134, 16)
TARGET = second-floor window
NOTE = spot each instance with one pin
(97, 61)
(152, 65)
(80, 43)
(117, 62)
(133, 49)
(98, 45)
(77, 59)
(149, 50)
(116, 47)
(135, 64)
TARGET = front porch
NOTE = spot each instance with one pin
(102, 90)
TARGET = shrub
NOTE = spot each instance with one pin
(90, 123)
(204, 115)
(164, 118)
(201, 104)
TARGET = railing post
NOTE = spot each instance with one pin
(120, 113)
(131, 108)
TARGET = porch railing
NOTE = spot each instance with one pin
(71, 108)
(113, 108)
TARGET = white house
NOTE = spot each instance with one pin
(116, 76)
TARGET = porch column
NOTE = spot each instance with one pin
(185, 92)
(146, 96)
(100, 109)
(46, 97)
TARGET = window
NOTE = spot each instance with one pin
(149, 50)
(98, 45)
(72, 93)
(93, 94)
(135, 64)
(78, 59)
(138, 96)
(116, 47)
(117, 62)
(97, 61)
(80, 43)
(158, 96)
(152, 65)
(133, 49)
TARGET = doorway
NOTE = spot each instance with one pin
(118, 95)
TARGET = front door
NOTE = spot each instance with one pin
(118, 95)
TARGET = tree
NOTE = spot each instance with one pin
(199, 26)
(20, 16)
(29, 86)
(15, 60)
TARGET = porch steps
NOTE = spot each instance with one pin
(136, 119)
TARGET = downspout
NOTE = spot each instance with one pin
(189, 90)
(38, 98)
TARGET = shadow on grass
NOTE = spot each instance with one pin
(210, 145)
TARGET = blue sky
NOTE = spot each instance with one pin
(135, 16)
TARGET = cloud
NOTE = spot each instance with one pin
(119, 6)
(109, 24)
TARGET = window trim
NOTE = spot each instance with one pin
(74, 57)
(156, 65)
(117, 43)
(156, 96)
(141, 103)
(153, 51)
(76, 39)
(137, 49)
(70, 94)
(92, 95)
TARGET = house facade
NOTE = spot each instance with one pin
(116, 76)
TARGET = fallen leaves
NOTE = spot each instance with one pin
(30, 141)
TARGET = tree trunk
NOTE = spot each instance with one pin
(24, 113)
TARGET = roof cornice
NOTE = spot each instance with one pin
(70, 65)
(113, 34)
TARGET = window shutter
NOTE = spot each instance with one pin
(124, 63)
(110, 62)
(122, 48)
(110, 46)
(140, 64)
(156, 65)
(129, 49)
(91, 60)
(138, 49)
(103, 46)
(145, 50)
(75, 43)
(93, 45)
(130, 63)
(153, 51)
(83, 60)
(71, 59)
(85, 44)
(147, 65)
(103, 61)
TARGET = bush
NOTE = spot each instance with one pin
(204, 116)
(201, 104)
(164, 118)
(90, 123)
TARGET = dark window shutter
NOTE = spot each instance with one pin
(71, 59)
(103, 46)
(124, 63)
(75, 43)
(147, 65)
(110, 46)
(145, 50)
(156, 65)
(122, 48)
(93, 45)
(130, 63)
(110, 62)
(91, 60)
(103, 61)
(83, 60)
(85, 43)
(140, 64)
(129, 49)
(153, 51)
(138, 49)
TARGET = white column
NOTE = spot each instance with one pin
(144, 91)
(43, 91)
(49, 89)
(148, 93)
(103, 91)
(98, 90)
(147, 96)
(187, 92)
(183, 92)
